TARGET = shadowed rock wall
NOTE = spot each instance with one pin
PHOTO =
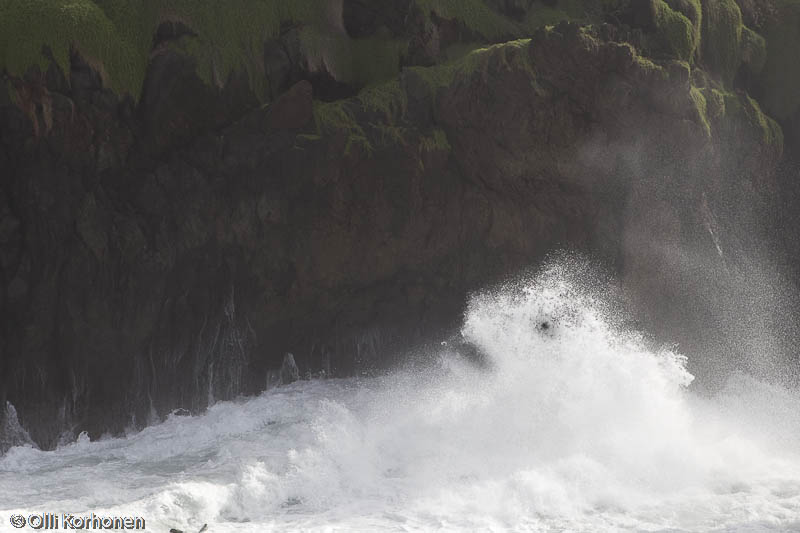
(166, 253)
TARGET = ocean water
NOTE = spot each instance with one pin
(569, 423)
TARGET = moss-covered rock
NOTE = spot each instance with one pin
(722, 38)
(27, 27)
(436, 141)
(117, 37)
(435, 78)
(729, 111)
(663, 29)
(700, 105)
(387, 100)
(743, 106)
(734, 118)
(754, 50)
(675, 35)
(336, 119)
(692, 10)
(715, 103)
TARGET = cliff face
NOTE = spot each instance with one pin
(163, 248)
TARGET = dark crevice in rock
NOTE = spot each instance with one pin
(328, 89)
(278, 67)
(83, 78)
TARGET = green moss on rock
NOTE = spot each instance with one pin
(692, 10)
(754, 50)
(27, 26)
(387, 99)
(477, 60)
(230, 35)
(771, 133)
(715, 103)
(332, 117)
(116, 36)
(725, 111)
(700, 104)
(722, 37)
(336, 118)
(436, 141)
(675, 34)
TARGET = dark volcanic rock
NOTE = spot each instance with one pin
(289, 371)
(169, 257)
(176, 103)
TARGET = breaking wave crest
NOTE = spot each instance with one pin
(570, 423)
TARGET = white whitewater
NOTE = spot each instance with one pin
(572, 426)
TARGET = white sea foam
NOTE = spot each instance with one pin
(571, 425)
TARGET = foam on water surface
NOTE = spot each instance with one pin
(570, 425)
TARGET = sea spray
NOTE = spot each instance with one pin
(572, 422)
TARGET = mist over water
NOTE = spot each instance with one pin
(569, 422)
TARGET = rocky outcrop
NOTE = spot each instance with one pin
(166, 252)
